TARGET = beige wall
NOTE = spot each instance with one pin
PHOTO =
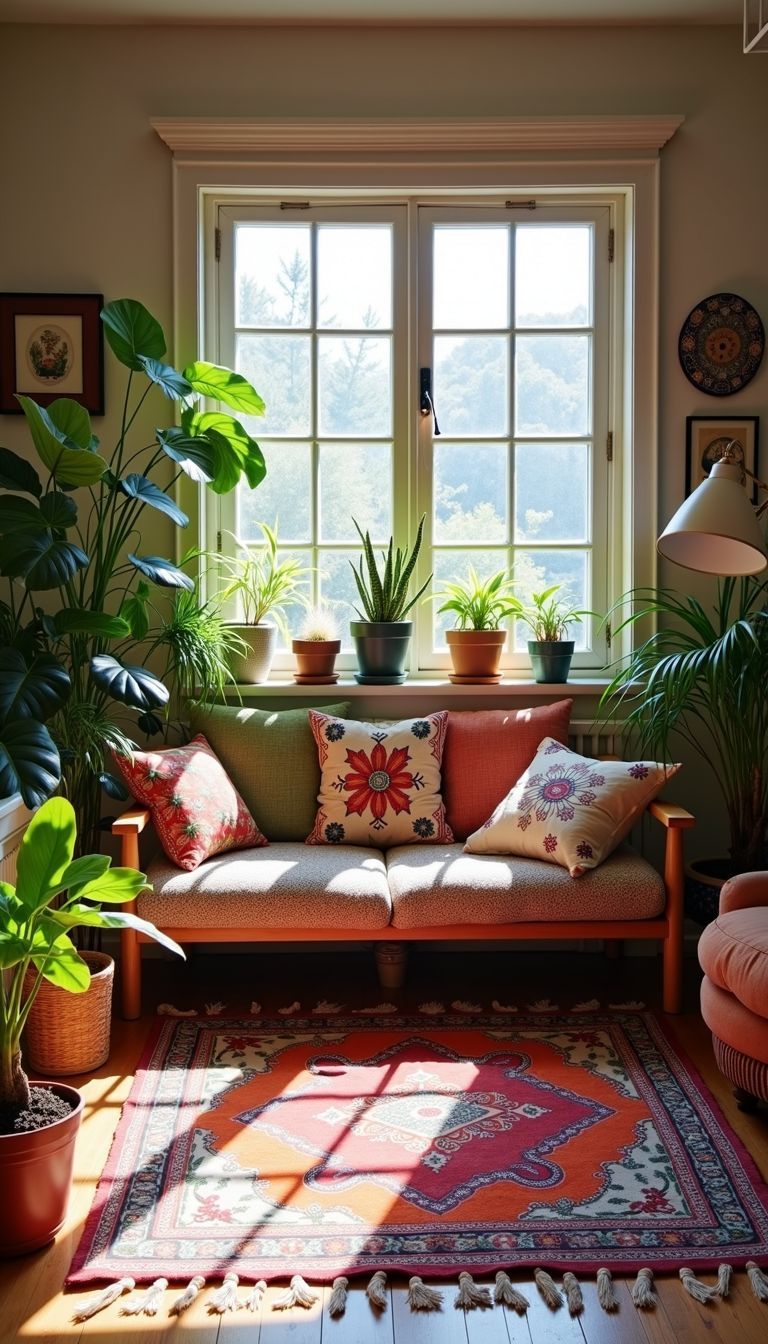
(87, 185)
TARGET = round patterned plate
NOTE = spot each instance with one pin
(721, 344)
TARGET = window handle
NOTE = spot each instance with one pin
(426, 404)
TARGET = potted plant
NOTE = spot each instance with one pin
(382, 634)
(77, 614)
(316, 647)
(265, 586)
(476, 642)
(54, 894)
(701, 677)
(548, 618)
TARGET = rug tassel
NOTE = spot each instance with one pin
(422, 1298)
(573, 1295)
(188, 1296)
(642, 1290)
(147, 1302)
(225, 1297)
(507, 1295)
(548, 1289)
(338, 1303)
(258, 1290)
(377, 1290)
(471, 1294)
(110, 1294)
(698, 1290)
(606, 1293)
(724, 1276)
(758, 1279)
(298, 1295)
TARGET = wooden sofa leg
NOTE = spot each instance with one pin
(672, 953)
(391, 963)
(130, 969)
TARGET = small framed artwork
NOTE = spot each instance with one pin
(706, 438)
(51, 345)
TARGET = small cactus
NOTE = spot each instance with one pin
(318, 625)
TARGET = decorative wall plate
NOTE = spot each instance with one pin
(721, 344)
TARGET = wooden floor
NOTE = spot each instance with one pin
(33, 1308)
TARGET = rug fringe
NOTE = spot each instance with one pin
(471, 1294)
(432, 1008)
(253, 1301)
(225, 1297)
(338, 1303)
(543, 1006)
(109, 1295)
(326, 1009)
(758, 1279)
(573, 1295)
(169, 1010)
(215, 1009)
(507, 1295)
(503, 1007)
(298, 1295)
(146, 1303)
(377, 1008)
(701, 1292)
(631, 1005)
(188, 1296)
(724, 1276)
(255, 1008)
(606, 1293)
(376, 1290)
(292, 1008)
(588, 1006)
(548, 1289)
(643, 1295)
(422, 1298)
(466, 1006)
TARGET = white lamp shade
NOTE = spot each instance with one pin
(716, 530)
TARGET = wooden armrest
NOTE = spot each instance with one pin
(132, 822)
(670, 815)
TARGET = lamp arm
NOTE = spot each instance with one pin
(761, 485)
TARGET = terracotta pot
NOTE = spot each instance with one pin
(254, 665)
(69, 1033)
(315, 659)
(476, 654)
(35, 1178)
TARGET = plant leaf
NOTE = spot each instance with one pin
(134, 686)
(66, 969)
(58, 510)
(139, 487)
(168, 379)
(85, 869)
(18, 474)
(44, 561)
(81, 621)
(45, 853)
(73, 421)
(114, 885)
(210, 380)
(114, 787)
(18, 514)
(125, 920)
(150, 724)
(162, 572)
(69, 463)
(133, 609)
(132, 332)
(29, 762)
(35, 690)
(195, 456)
(235, 452)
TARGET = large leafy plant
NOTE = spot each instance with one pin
(54, 894)
(79, 622)
(701, 677)
(385, 594)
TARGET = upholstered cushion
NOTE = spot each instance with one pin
(570, 809)
(286, 886)
(272, 758)
(486, 752)
(446, 885)
(731, 1022)
(196, 809)
(380, 785)
(733, 952)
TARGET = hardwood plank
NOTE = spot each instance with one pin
(360, 1321)
(489, 1326)
(196, 1326)
(713, 1321)
(428, 1327)
(610, 1327)
(298, 1325)
(653, 1321)
(546, 1326)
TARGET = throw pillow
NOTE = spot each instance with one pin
(380, 784)
(196, 809)
(272, 758)
(486, 752)
(569, 809)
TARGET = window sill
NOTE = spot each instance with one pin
(417, 686)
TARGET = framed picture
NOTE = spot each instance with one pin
(51, 345)
(706, 437)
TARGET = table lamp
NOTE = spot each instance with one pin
(716, 530)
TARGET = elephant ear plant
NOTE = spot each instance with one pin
(77, 625)
(54, 894)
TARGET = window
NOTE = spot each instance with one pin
(332, 309)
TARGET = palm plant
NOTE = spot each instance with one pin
(701, 677)
(385, 595)
(480, 604)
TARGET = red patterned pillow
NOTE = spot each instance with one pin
(196, 809)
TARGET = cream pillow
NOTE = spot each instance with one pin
(569, 809)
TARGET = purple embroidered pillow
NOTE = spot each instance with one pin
(569, 809)
(379, 784)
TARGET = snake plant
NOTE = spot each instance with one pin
(384, 595)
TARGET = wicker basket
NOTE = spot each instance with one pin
(69, 1033)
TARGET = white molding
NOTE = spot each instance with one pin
(226, 135)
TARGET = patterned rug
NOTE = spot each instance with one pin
(338, 1145)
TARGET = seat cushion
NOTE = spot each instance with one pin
(445, 885)
(734, 1024)
(733, 952)
(286, 886)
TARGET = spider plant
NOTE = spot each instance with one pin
(264, 584)
(480, 604)
(548, 616)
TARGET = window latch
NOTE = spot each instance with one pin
(426, 404)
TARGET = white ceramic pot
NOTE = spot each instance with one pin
(254, 665)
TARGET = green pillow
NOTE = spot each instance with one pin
(271, 758)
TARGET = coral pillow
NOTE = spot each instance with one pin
(486, 752)
(569, 809)
(380, 784)
(196, 809)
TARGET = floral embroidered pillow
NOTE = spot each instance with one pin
(569, 809)
(380, 784)
(196, 809)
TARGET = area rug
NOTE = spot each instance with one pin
(346, 1145)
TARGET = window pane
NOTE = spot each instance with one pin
(470, 491)
(553, 282)
(354, 276)
(552, 375)
(337, 587)
(355, 482)
(279, 368)
(537, 570)
(471, 277)
(272, 275)
(472, 384)
(355, 385)
(450, 566)
(285, 494)
(552, 492)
